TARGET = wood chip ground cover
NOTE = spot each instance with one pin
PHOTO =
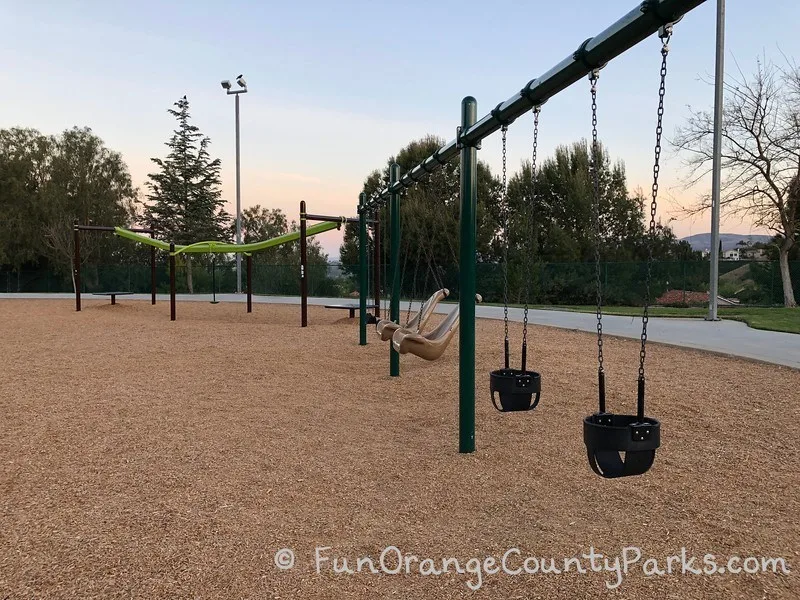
(149, 459)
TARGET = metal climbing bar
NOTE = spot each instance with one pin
(638, 24)
(310, 217)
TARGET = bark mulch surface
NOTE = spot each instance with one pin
(148, 459)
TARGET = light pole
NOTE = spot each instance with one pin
(226, 85)
(716, 169)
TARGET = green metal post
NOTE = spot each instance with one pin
(394, 306)
(466, 300)
(363, 284)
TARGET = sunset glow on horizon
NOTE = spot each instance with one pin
(335, 90)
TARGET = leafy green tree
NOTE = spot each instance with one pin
(259, 223)
(557, 226)
(560, 224)
(87, 183)
(185, 199)
(24, 156)
(48, 183)
(429, 244)
(279, 265)
(348, 251)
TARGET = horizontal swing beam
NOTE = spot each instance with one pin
(594, 53)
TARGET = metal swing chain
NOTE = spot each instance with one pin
(593, 77)
(507, 217)
(665, 34)
(536, 111)
(413, 293)
(380, 273)
(413, 288)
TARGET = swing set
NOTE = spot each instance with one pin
(411, 337)
(617, 445)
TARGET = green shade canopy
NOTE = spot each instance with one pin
(224, 247)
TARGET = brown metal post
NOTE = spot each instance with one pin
(152, 274)
(376, 264)
(303, 267)
(171, 281)
(76, 268)
(249, 283)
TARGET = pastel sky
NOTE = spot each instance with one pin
(336, 87)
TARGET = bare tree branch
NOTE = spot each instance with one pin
(760, 153)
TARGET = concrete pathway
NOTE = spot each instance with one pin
(726, 337)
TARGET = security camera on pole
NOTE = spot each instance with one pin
(226, 85)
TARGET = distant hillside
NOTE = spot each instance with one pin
(702, 241)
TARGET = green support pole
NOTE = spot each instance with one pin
(466, 300)
(363, 283)
(394, 306)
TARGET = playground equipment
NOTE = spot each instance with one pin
(76, 261)
(386, 328)
(363, 268)
(641, 22)
(376, 263)
(113, 295)
(135, 235)
(304, 218)
(624, 445)
(517, 389)
(410, 338)
(350, 307)
(429, 346)
(389, 329)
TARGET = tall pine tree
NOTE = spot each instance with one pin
(185, 200)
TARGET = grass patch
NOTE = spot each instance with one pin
(771, 319)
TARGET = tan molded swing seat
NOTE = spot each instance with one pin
(386, 327)
(432, 345)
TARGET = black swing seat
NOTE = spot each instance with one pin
(518, 390)
(620, 445)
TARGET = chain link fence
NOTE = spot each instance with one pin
(679, 283)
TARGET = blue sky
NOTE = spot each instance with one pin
(335, 88)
